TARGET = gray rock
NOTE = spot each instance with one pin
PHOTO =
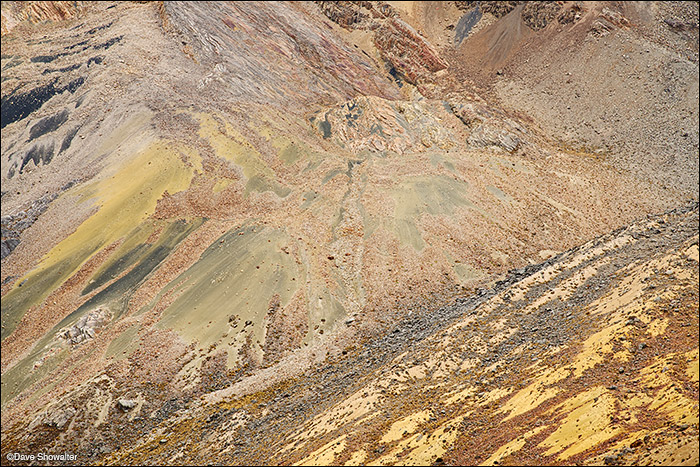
(85, 328)
(59, 418)
(127, 404)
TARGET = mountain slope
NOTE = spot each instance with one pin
(216, 199)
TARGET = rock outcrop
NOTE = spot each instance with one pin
(400, 45)
(36, 12)
(86, 327)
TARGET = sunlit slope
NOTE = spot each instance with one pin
(204, 203)
(590, 357)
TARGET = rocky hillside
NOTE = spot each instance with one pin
(588, 358)
(328, 221)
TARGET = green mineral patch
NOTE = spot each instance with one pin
(436, 195)
(325, 127)
(117, 294)
(291, 153)
(45, 388)
(124, 200)
(233, 283)
(312, 165)
(114, 297)
(229, 144)
(292, 150)
(309, 198)
(497, 163)
(260, 184)
(437, 159)
(499, 194)
(370, 222)
(324, 310)
(124, 344)
(31, 290)
(465, 273)
(332, 173)
(118, 263)
(25, 373)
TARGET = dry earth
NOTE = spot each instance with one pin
(314, 232)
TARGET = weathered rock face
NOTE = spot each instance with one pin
(407, 51)
(86, 327)
(59, 417)
(15, 13)
(14, 224)
(537, 15)
(127, 404)
(498, 9)
(377, 125)
(401, 46)
(215, 214)
(296, 61)
(349, 14)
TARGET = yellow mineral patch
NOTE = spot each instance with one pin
(502, 336)
(446, 369)
(552, 375)
(460, 396)
(586, 424)
(512, 446)
(672, 402)
(494, 395)
(407, 424)
(657, 327)
(193, 157)
(610, 245)
(595, 349)
(357, 406)
(527, 399)
(567, 287)
(546, 254)
(441, 365)
(423, 448)
(417, 372)
(326, 454)
(231, 145)
(221, 185)
(544, 275)
(357, 458)
(632, 288)
(124, 200)
(692, 252)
